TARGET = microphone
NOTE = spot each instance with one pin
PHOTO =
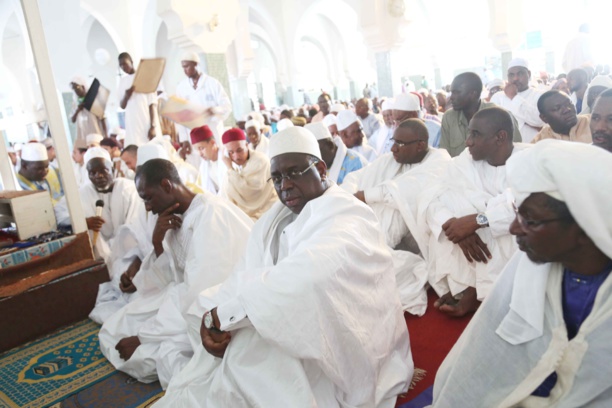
(99, 207)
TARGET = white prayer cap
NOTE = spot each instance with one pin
(34, 152)
(495, 82)
(258, 117)
(191, 56)
(149, 151)
(253, 123)
(284, 124)
(79, 80)
(97, 152)
(346, 118)
(319, 130)
(518, 62)
(576, 173)
(93, 138)
(294, 140)
(601, 80)
(337, 107)
(407, 102)
(48, 142)
(119, 132)
(387, 104)
(330, 119)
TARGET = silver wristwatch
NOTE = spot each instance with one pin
(482, 220)
(209, 322)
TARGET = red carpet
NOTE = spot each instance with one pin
(431, 338)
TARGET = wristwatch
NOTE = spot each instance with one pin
(209, 322)
(482, 220)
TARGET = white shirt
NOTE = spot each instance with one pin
(524, 107)
(137, 113)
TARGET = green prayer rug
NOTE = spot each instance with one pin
(49, 370)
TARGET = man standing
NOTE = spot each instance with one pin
(559, 114)
(368, 120)
(601, 121)
(247, 182)
(205, 91)
(310, 256)
(35, 173)
(578, 82)
(540, 338)
(352, 135)
(196, 242)
(466, 89)
(520, 99)
(408, 106)
(382, 141)
(141, 121)
(85, 121)
(258, 142)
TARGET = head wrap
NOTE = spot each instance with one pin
(48, 142)
(406, 102)
(79, 80)
(495, 82)
(253, 123)
(337, 107)
(119, 132)
(330, 120)
(387, 104)
(200, 134)
(346, 118)
(150, 151)
(233, 135)
(319, 130)
(299, 121)
(518, 62)
(93, 138)
(257, 116)
(34, 152)
(294, 140)
(284, 124)
(191, 56)
(97, 152)
(576, 173)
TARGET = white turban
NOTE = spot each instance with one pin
(119, 132)
(171, 153)
(97, 152)
(294, 140)
(257, 116)
(284, 124)
(495, 82)
(150, 151)
(330, 119)
(387, 104)
(191, 56)
(48, 142)
(79, 80)
(253, 123)
(337, 107)
(576, 173)
(319, 130)
(34, 152)
(518, 62)
(407, 102)
(93, 138)
(346, 118)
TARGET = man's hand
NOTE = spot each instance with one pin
(125, 284)
(127, 346)
(474, 249)
(214, 341)
(511, 91)
(185, 150)
(151, 133)
(95, 223)
(360, 195)
(457, 229)
(167, 220)
(211, 111)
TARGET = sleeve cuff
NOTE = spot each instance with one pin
(374, 195)
(232, 316)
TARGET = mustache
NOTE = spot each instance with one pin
(602, 134)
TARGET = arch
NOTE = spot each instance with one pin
(107, 26)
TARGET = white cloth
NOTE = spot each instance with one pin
(370, 124)
(80, 173)
(524, 107)
(468, 187)
(197, 256)
(212, 175)
(209, 93)
(366, 151)
(137, 113)
(348, 348)
(263, 147)
(248, 186)
(578, 52)
(119, 208)
(381, 140)
(87, 123)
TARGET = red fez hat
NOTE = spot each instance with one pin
(201, 134)
(233, 135)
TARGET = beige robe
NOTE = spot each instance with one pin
(579, 133)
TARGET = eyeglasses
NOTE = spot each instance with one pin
(533, 224)
(402, 144)
(277, 180)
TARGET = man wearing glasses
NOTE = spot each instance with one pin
(541, 337)
(311, 316)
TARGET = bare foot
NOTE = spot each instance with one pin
(460, 305)
(127, 346)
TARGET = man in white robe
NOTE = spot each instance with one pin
(369, 121)
(196, 241)
(542, 337)
(257, 140)
(408, 106)
(294, 324)
(382, 141)
(78, 162)
(117, 194)
(352, 135)
(212, 169)
(520, 99)
(247, 183)
(467, 215)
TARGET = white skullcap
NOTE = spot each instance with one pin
(284, 124)
(171, 153)
(93, 138)
(337, 107)
(319, 130)
(601, 80)
(518, 62)
(257, 116)
(330, 119)
(294, 140)
(253, 123)
(150, 151)
(191, 56)
(34, 152)
(97, 152)
(79, 80)
(407, 102)
(387, 104)
(119, 132)
(495, 82)
(578, 173)
(48, 142)
(346, 118)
